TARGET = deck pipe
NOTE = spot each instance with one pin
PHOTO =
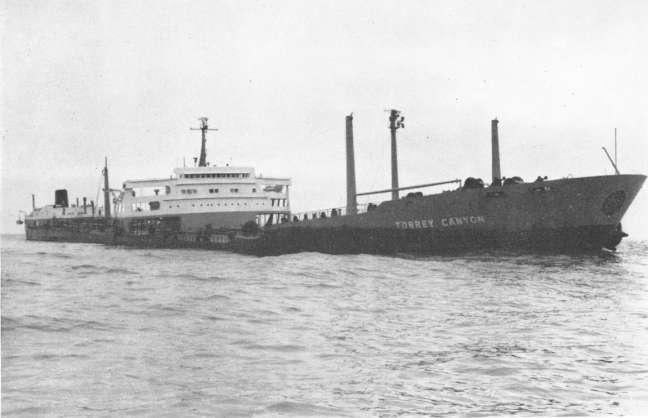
(497, 175)
(33, 201)
(85, 205)
(352, 204)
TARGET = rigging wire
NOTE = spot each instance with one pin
(98, 191)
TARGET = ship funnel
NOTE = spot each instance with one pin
(352, 204)
(61, 198)
(497, 175)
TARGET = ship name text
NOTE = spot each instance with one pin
(441, 222)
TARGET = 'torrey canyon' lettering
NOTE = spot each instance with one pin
(442, 222)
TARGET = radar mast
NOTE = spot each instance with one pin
(202, 162)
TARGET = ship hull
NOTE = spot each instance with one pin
(213, 231)
(209, 230)
(85, 230)
(345, 240)
(568, 215)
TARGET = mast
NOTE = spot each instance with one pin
(352, 204)
(396, 121)
(202, 162)
(106, 190)
(495, 155)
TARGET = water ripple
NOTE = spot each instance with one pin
(90, 330)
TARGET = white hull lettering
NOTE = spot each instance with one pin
(444, 222)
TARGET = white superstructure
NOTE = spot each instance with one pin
(202, 190)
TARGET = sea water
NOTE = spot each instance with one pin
(97, 330)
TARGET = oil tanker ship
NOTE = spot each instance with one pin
(232, 209)
(563, 215)
(203, 206)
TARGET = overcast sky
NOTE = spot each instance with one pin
(126, 79)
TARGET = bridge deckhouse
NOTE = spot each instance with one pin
(205, 189)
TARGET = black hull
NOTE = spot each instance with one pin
(389, 241)
(561, 216)
(354, 241)
(93, 231)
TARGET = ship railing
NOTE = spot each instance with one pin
(326, 213)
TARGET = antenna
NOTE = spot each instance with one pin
(611, 161)
(203, 151)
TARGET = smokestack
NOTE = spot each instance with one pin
(33, 201)
(497, 175)
(92, 206)
(77, 202)
(352, 204)
(85, 205)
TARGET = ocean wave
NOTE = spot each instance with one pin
(301, 409)
(12, 282)
(120, 271)
(284, 348)
(210, 333)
